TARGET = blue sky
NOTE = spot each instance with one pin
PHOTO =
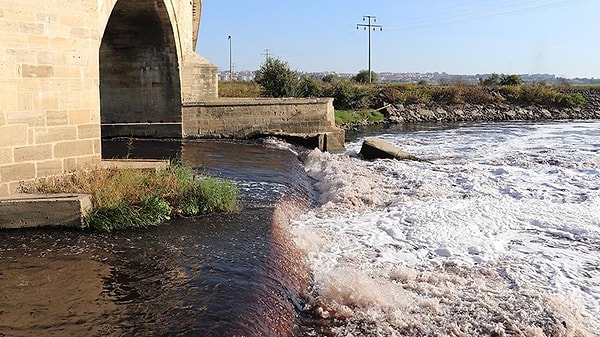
(455, 36)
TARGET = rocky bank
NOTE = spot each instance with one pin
(436, 112)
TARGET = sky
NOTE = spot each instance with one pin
(454, 36)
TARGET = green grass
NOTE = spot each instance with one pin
(134, 198)
(351, 116)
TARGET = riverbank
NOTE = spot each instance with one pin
(499, 109)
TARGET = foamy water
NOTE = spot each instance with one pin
(497, 233)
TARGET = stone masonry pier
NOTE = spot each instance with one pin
(74, 72)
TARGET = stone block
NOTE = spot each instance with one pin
(88, 131)
(28, 70)
(8, 96)
(30, 118)
(31, 28)
(6, 156)
(4, 189)
(59, 44)
(17, 172)
(56, 118)
(72, 20)
(38, 41)
(51, 57)
(45, 100)
(79, 116)
(49, 168)
(25, 101)
(31, 210)
(55, 134)
(13, 135)
(33, 153)
(76, 148)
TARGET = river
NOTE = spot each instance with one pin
(496, 233)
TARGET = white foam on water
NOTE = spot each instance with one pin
(498, 234)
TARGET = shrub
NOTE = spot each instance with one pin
(495, 79)
(510, 80)
(363, 77)
(350, 95)
(276, 78)
(309, 87)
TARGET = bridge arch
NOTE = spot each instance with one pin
(140, 80)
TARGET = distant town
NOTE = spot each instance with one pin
(389, 77)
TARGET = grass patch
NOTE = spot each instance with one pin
(239, 89)
(351, 116)
(134, 198)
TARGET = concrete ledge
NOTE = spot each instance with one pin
(258, 101)
(134, 163)
(39, 210)
(142, 130)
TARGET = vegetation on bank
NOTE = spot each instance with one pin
(135, 198)
(276, 79)
(356, 116)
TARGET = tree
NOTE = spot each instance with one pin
(276, 78)
(493, 79)
(363, 76)
(511, 80)
(503, 79)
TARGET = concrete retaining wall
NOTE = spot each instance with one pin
(248, 117)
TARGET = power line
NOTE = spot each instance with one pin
(368, 27)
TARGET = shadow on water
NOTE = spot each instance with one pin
(218, 275)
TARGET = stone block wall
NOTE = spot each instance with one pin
(50, 78)
(49, 101)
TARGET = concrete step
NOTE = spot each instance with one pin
(41, 210)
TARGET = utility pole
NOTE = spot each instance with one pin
(267, 54)
(368, 27)
(230, 62)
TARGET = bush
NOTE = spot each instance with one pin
(351, 96)
(276, 78)
(309, 87)
(363, 77)
(495, 79)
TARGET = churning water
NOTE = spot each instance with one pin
(496, 233)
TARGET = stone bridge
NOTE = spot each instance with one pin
(72, 72)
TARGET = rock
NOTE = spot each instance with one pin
(375, 148)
